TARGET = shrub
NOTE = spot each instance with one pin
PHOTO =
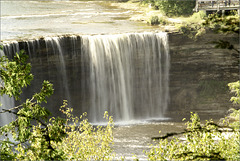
(223, 24)
(197, 17)
(193, 26)
(191, 30)
(207, 142)
(198, 23)
(235, 88)
(156, 20)
(174, 7)
(84, 141)
(33, 136)
(81, 140)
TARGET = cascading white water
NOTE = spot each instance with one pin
(125, 74)
(110, 75)
(54, 43)
(128, 75)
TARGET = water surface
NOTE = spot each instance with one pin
(27, 19)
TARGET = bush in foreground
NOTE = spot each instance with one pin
(199, 142)
(33, 136)
(208, 141)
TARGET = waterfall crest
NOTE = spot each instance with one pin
(125, 74)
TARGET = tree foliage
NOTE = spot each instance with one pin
(156, 20)
(223, 24)
(193, 27)
(199, 141)
(174, 7)
(208, 141)
(235, 88)
(14, 75)
(34, 135)
(84, 141)
(198, 24)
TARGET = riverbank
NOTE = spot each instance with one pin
(143, 13)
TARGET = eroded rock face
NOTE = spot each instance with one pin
(200, 73)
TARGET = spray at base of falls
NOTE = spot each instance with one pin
(125, 74)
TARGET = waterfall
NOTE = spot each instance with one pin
(6, 103)
(124, 74)
(111, 75)
(128, 75)
(55, 44)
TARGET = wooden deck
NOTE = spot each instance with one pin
(217, 5)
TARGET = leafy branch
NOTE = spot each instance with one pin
(207, 141)
(36, 135)
(16, 74)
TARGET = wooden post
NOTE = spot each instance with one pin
(196, 8)
(239, 8)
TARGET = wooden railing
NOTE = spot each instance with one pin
(217, 4)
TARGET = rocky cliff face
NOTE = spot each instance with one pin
(200, 73)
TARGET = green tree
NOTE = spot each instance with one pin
(15, 74)
(36, 135)
(174, 7)
(207, 141)
(223, 25)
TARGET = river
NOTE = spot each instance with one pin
(27, 19)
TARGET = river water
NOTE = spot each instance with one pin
(26, 19)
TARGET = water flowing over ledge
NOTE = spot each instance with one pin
(124, 74)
